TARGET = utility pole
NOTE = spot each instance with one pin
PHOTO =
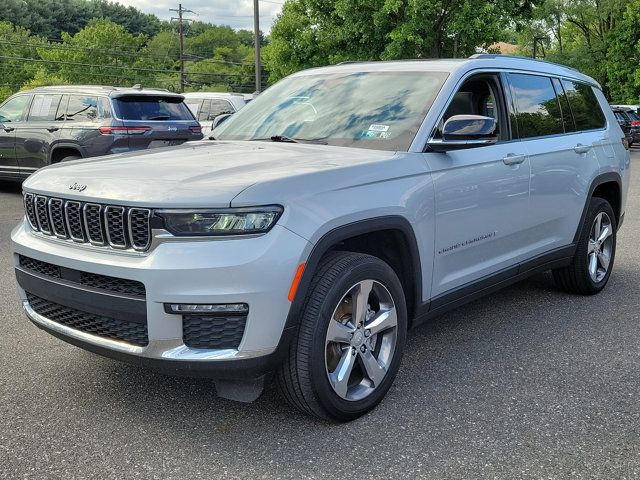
(180, 11)
(256, 34)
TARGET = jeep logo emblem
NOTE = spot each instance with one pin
(77, 187)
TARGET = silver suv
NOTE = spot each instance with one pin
(340, 208)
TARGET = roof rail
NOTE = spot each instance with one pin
(347, 62)
(518, 57)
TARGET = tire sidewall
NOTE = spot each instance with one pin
(336, 407)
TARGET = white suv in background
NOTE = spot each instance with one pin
(340, 208)
(207, 106)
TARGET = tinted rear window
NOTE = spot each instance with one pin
(150, 108)
(585, 106)
(538, 110)
(82, 109)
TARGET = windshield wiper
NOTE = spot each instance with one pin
(285, 139)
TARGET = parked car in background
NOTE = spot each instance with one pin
(207, 106)
(629, 122)
(53, 124)
(633, 108)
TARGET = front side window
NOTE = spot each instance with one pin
(13, 109)
(82, 109)
(152, 108)
(377, 110)
(44, 108)
(537, 108)
(585, 106)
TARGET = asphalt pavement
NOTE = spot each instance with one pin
(527, 383)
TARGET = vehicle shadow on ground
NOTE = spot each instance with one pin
(10, 187)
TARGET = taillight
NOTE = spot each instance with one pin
(195, 129)
(635, 123)
(124, 130)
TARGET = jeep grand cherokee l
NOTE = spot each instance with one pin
(340, 208)
(53, 124)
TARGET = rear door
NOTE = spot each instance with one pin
(35, 136)
(11, 113)
(156, 121)
(562, 158)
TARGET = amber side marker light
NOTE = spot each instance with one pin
(296, 281)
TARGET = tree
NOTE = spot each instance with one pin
(318, 32)
(102, 52)
(16, 44)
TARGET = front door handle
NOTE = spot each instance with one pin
(9, 129)
(582, 148)
(513, 159)
(53, 129)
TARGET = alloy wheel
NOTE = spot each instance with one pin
(600, 247)
(361, 340)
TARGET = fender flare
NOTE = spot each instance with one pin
(344, 232)
(597, 181)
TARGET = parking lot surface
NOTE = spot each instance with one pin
(527, 383)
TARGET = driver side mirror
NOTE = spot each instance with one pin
(466, 131)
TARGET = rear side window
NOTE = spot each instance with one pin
(567, 118)
(585, 106)
(152, 108)
(44, 108)
(13, 109)
(537, 107)
(220, 107)
(82, 109)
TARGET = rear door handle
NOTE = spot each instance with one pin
(582, 148)
(513, 159)
(53, 129)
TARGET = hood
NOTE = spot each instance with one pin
(197, 174)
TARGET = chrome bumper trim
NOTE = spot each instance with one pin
(158, 349)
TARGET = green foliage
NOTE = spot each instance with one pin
(49, 18)
(318, 32)
(104, 43)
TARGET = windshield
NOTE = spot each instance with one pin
(378, 110)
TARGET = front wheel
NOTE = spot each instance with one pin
(593, 260)
(351, 338)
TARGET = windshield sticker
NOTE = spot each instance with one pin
(379, 128)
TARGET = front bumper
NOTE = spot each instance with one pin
(257, 271)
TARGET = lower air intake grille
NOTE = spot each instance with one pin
(114, 329)
(214, 332)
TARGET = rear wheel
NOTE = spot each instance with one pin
(351, 338)
(593, 261)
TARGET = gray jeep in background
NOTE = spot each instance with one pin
(51, 124)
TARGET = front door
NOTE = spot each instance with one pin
(481, 196)
(41, 129)
(11, 113)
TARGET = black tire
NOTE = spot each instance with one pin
(71, 157)
(302, 379)
(575, 278)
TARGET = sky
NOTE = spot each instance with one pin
(236, 13)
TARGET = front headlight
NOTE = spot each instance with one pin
(226, 221)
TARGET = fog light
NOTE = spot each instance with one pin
(187, 308)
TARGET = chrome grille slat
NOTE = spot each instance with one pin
(42, 214)
(111, 226)
(93, 223)
(56, 216)
(114, 221)
(73, 215)
(139, 228)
